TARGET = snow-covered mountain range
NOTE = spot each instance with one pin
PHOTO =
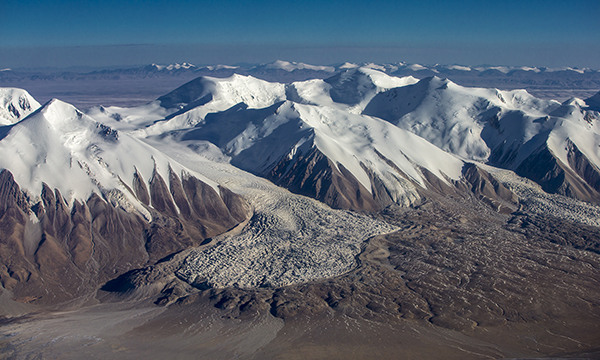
(554, 144)
(359, 126)
(357, 139)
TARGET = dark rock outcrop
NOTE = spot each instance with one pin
(489, 190)
(579, 179)
(315, 175)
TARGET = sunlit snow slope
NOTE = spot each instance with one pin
(69, 151)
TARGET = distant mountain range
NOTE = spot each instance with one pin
(505, 77)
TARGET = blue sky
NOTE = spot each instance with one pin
(114, 33)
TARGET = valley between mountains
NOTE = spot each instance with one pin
(353, 215)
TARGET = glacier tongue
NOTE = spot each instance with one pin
(290, 239)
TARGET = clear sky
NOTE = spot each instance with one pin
(117, 33)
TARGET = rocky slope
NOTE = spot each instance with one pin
(456, 276)
(81, 203)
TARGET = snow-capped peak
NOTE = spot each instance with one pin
(291, 66)
(357, 86)
(15, 105)
(231, 90)
(69, 151)
(172, 67)
(348, 65)
(576, 102)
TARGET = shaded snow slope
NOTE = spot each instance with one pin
(69, 151)
(358, 86)
(15, 105)
(350, 90)
(593, 102)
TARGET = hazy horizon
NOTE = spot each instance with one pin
(57, 33)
